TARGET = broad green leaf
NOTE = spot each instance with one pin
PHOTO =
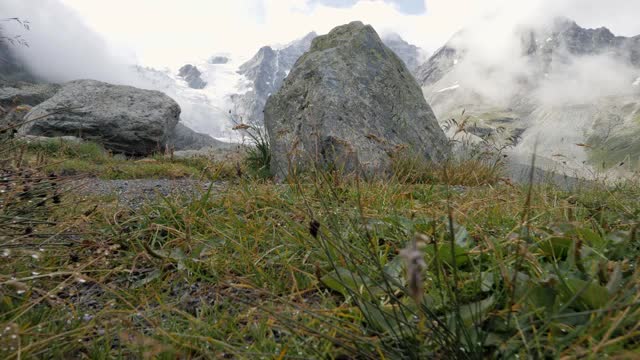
(556, 246)
(472, 314)
(394, 270)
(592, 238)
(445, 256)
(592, 295)
(388, 320)
(542, 296)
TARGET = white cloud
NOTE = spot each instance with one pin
(170, 32)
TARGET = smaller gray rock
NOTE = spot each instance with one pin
(24, 93)
(192, 76)
(123, 119)
(11, 120)
(183, 138)
(221, 152)
(218, 60)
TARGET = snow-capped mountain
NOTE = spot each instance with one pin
(266, 72)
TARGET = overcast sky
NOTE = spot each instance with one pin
(171, 32)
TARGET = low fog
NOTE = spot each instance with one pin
(559, 95)
(60, 46)
(495, 63)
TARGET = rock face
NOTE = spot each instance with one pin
(267, 71)
(438, 65)
(183, 138)
(350, 103)
(124, 119)
(566, 39)
(411, 55)
(192, 76)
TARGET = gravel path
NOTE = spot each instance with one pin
(134, 193)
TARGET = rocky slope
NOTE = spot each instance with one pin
(543, 47)
(350, 103)
(563, 91)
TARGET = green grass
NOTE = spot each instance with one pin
(315, 269)
(616, 151)
(91, 159)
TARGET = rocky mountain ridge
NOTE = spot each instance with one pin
(266, 72)
(562, 87)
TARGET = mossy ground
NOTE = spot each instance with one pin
(310, 269)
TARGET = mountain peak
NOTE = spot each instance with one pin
(412, 55)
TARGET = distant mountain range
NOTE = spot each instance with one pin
(568, 93)
(220, 90)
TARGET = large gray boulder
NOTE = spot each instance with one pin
(184, 138)
(267, 70)
(350, 103)
(122, 118)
